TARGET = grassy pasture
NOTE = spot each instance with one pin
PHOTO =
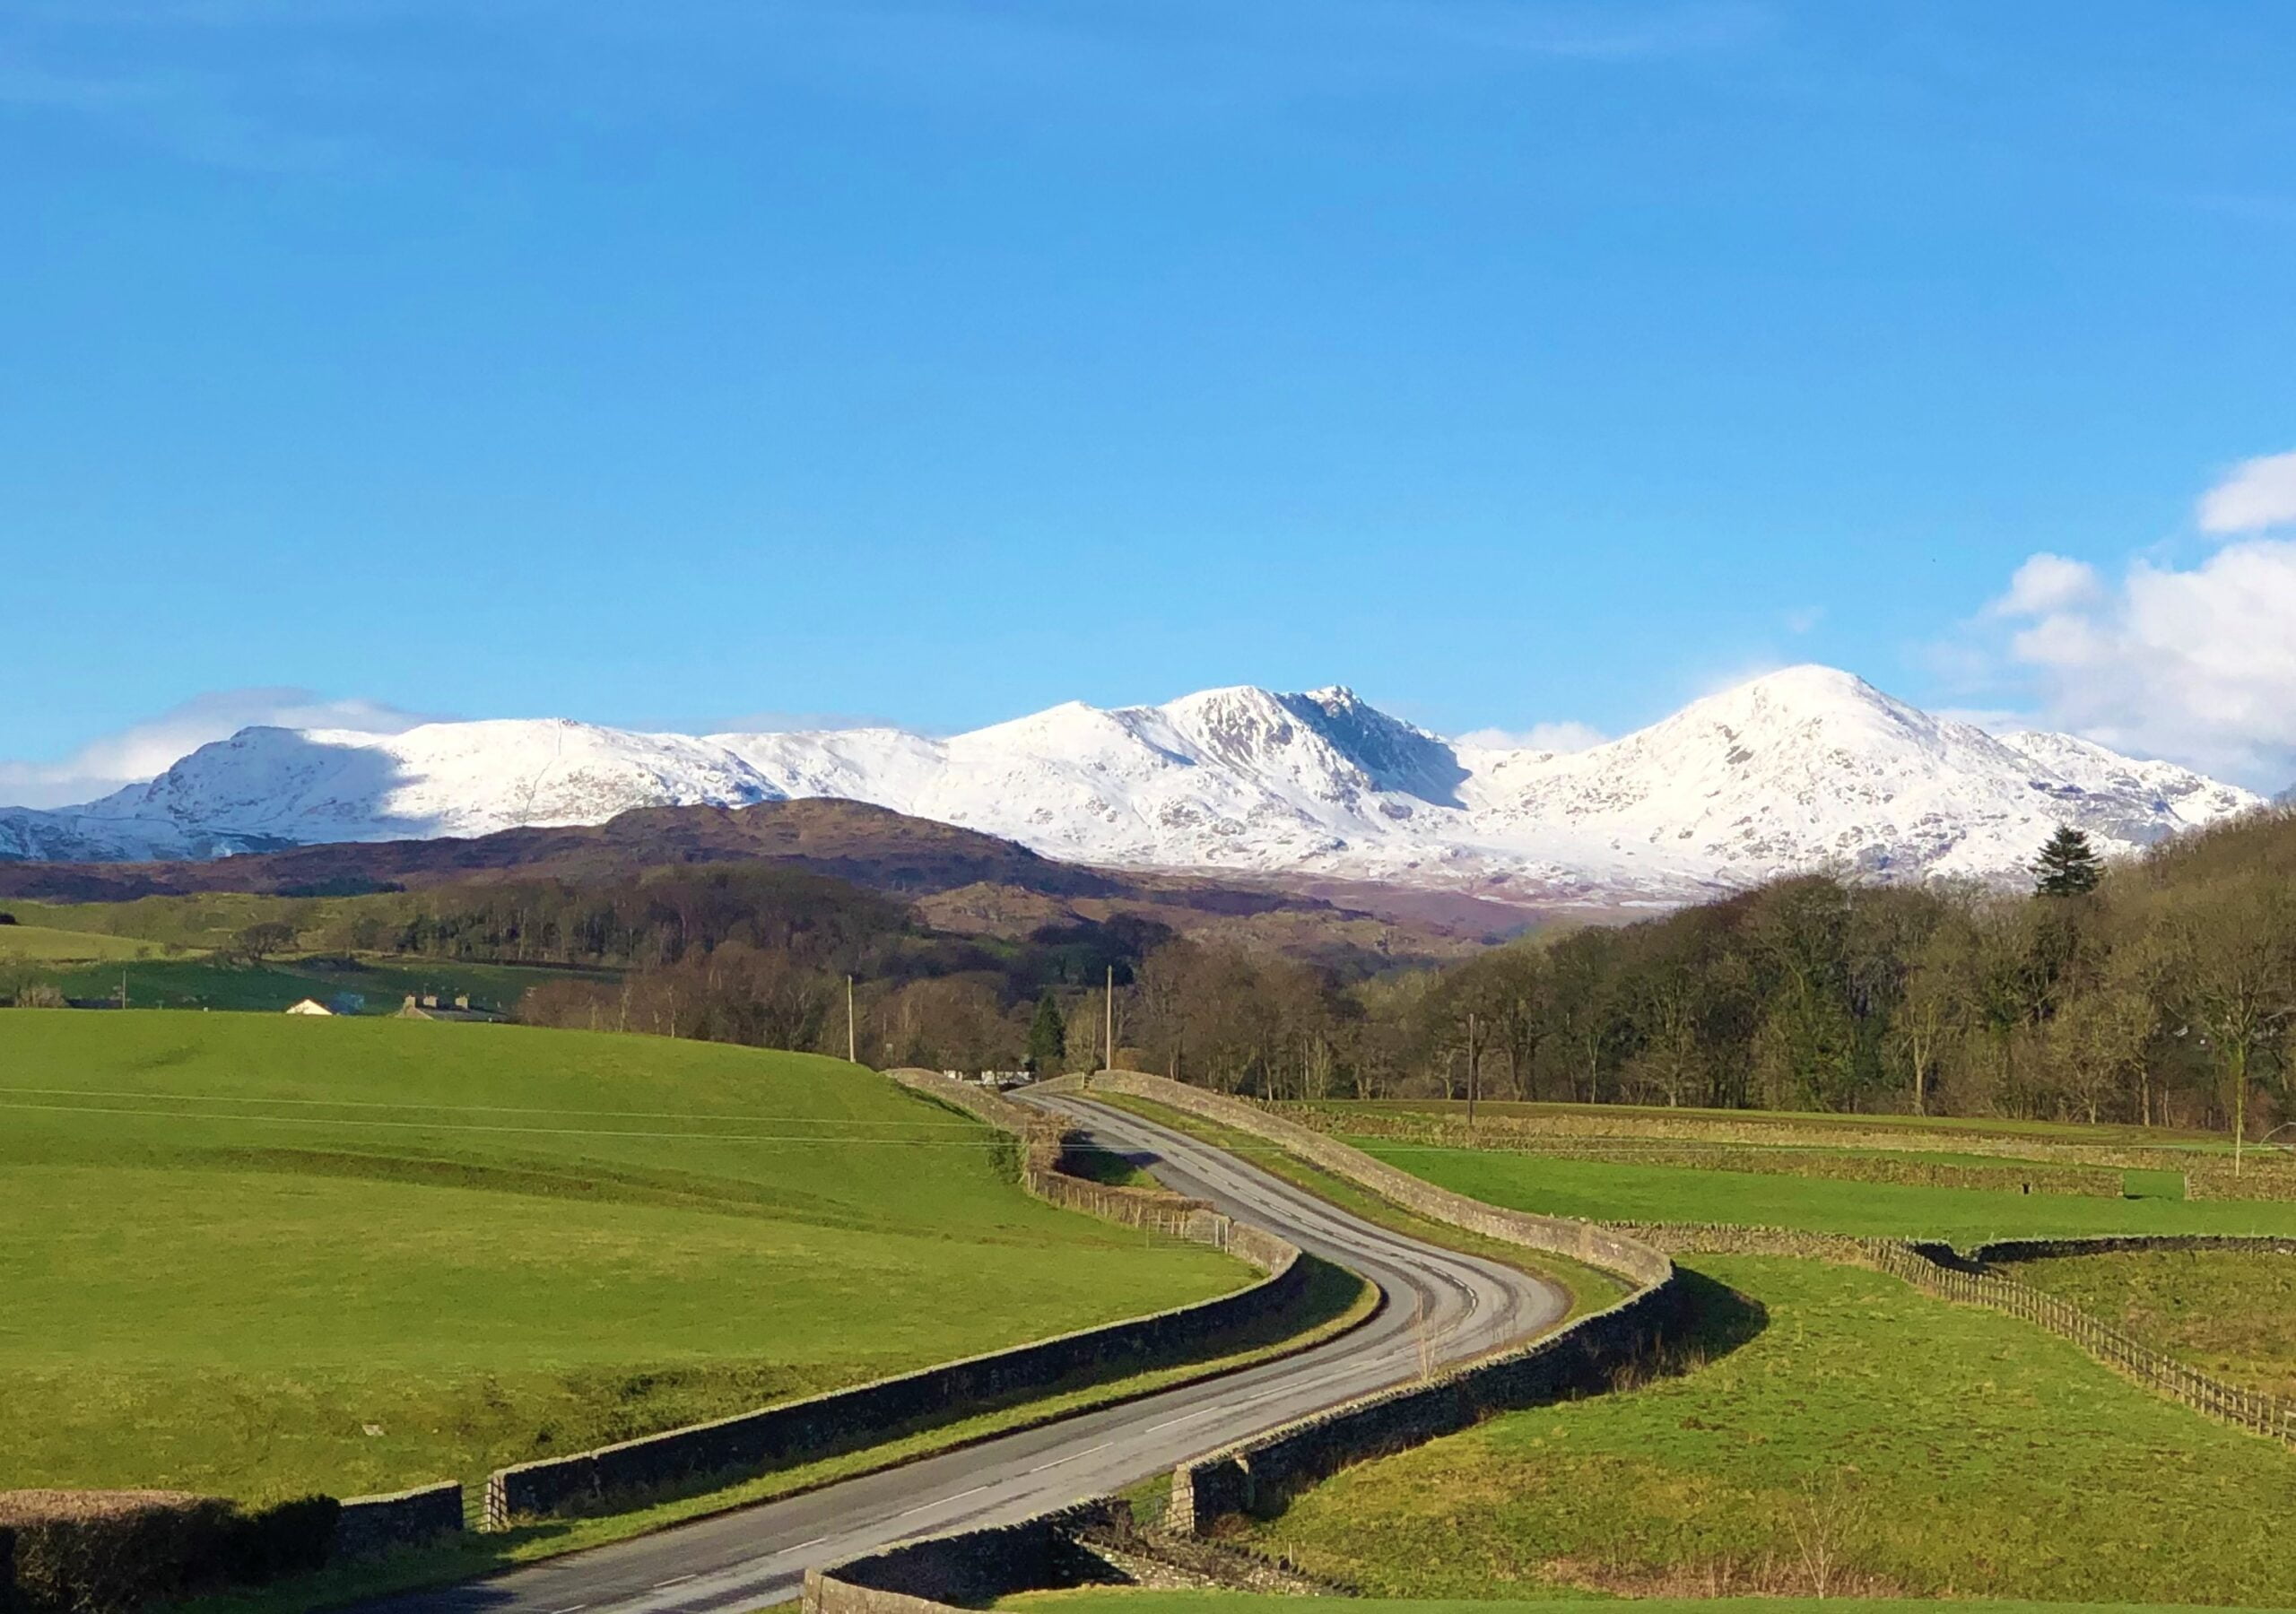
(1605, 1191)
(1121, 1601)
(2232, 1315)
(1923, 1449)
(256, 1254)
(208, 920)
(44, 944)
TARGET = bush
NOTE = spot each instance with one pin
(111, 1552)
(103, 1552)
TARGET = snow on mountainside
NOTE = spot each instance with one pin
(1802, 768)
(268, 787)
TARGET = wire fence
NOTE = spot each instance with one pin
(2255, 1410)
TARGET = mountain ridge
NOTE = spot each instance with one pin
(1805, 768)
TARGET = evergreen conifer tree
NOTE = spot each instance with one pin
(2068, 865)
(1047, 1037)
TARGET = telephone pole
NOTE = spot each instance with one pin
(1108, 1044)
(852, 1042)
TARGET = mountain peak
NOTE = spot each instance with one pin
(1803, 767)
(1807, 683)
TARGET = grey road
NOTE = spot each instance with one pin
(1443, 1306)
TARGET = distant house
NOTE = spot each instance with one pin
(310, 1006)
(430, 1006)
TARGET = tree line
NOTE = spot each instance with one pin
(2162, 991)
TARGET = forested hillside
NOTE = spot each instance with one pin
(2166, 994)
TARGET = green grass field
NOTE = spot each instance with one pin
(1920, 1449)
(206, 921)
(44, 944)
(1607, 1191)
(1123, 1600)
(256, 1254)
(2232, 1315)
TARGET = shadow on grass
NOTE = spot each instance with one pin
(1712, 1321)
(1110, 1167)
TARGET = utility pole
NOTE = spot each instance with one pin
(1108, 1045)
(123, 989)
(1471, 1076)
(852, 1041)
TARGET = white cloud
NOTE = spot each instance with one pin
(1805, 619)
(1540, 736)
(2197, 665)
(2048, 583)
(147, 749)
(2260, 493)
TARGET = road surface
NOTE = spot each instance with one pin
(1443, 1306)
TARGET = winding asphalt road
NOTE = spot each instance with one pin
(1441, 1307)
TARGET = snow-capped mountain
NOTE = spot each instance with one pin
(1807, 767)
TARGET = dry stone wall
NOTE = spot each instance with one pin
(1588, 1242)
(1583, 1356)
(1724, 1239)
(369, 1526)
(868, 1414)
(846, 1420)
(2002, 1251)
(1796, 1160)
(1583, 1359)
(1769, 1133)
(971, 1568)
(2216, 1181)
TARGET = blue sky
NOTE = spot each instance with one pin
(697, 363)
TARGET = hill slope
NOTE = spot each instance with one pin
(257, 1255)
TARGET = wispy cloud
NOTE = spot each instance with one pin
(1564, 736)
(142, 751)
